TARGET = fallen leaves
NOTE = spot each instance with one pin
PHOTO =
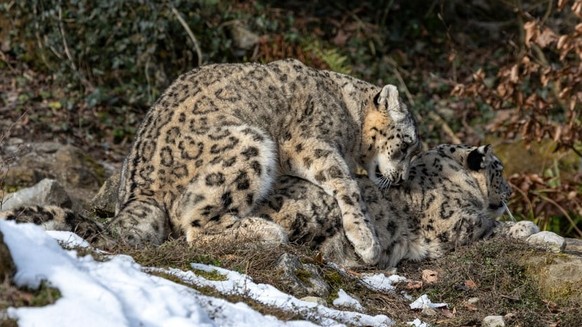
(430, 276)
(470, 284)
(542, 89)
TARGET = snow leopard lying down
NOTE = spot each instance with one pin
(453, 196)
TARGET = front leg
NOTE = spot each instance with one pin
(325, 167)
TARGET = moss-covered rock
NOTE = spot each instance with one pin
(558, 276)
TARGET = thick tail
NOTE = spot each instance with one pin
(56, 218)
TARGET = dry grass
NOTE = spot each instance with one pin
(491, 271)
(500, 281)
(12, 296)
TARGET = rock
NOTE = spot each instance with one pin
(493, 321)
(548, 240)
(242, 37)
(47, 192)
(103, 204)
(26, 164)
(573, 246)
(30, 163)
(558, 276)
(523, 229)
(314, 299)
(7, 267)
(48, 147)
(303, 279)
(76, 168)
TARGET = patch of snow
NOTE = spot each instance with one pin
(381, 282)
(424, 302)
(417, 323)
(112, 293)
(68, 239)
(346, 301)
(239, 284)
(407, 296)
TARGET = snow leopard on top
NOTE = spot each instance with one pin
(210, 148)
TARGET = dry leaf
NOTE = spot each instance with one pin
(479, 75)
(430, 276)
(341, 38)
(470, 284)
(546, 37)
(414, 285)
(447, 313)
(514, 76)
(470, 306)
(530, 31)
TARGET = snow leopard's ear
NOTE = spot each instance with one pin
(388, 101)
(476, 158)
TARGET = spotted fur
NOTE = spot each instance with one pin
(55, 218)
(210, 148)
(452, 197)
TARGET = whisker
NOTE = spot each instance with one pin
(508, 212)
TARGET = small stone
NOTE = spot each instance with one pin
(76, 168)
(48, 147)
(314, 299)
(304, 279)
(429, 312)
(242, 37)
(573, 246)
(548, 240)
(523, 229)
(103, 204)
(473, 300)
(493, 321)
(46, 192)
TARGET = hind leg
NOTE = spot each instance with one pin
(218, 199)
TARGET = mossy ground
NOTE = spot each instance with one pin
(494, 268)
(12, 296)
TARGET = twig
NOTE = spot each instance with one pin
(513, 298)
(5, 60)
(446, 128)
(65, 45)
(554, 86)
(190, 34)
(402, 84)
(573, 148)
(548, 12)
(572, 223)
(433, 115)
(524, 195)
